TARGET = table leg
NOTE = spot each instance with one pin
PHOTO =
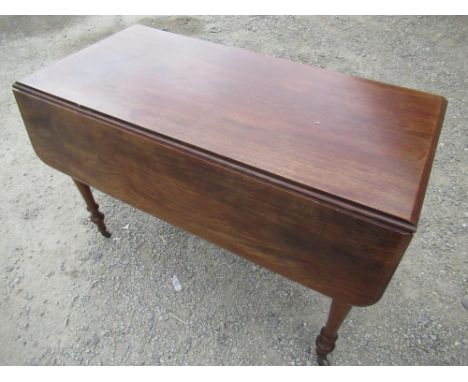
(325, 342)
(97, 217)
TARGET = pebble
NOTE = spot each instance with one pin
(176, 283)
(93, 340)
(215, 29)
(273, 321)
(465, 302)
(96, 256)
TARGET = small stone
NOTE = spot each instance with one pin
(96, 256)
(176, 283)
(465, 302)
(214, 29)
(93, 340)
(273, 321)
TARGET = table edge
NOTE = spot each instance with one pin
(427, 169)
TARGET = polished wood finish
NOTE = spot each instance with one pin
(325, 249)
(315, 175)
(97, 217)
(351, 142)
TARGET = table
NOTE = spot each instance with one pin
(313, 174)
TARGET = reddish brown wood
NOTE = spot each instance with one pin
(97, 217)
(315, 175)
(325, 342)
(330, 250)
(355, 143)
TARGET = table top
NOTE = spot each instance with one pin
(348, 142)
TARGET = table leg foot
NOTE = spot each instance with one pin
(322, 360)
(325, 342)
(97, 217)
(324, 346)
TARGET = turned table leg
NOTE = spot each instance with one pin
(97, 217)
(325, 342)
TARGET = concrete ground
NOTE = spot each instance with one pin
(70, 297)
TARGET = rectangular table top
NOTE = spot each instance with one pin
(348, 142)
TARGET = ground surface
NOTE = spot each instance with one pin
(68, 296)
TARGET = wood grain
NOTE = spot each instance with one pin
(356, 144)
(321, 247)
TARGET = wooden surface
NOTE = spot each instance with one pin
(97, 217)
(335, 253)
(357, 146)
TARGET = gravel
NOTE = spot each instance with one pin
(70, 297)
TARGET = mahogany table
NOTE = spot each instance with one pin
(315, 175)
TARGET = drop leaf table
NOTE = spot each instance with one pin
(313, 174)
